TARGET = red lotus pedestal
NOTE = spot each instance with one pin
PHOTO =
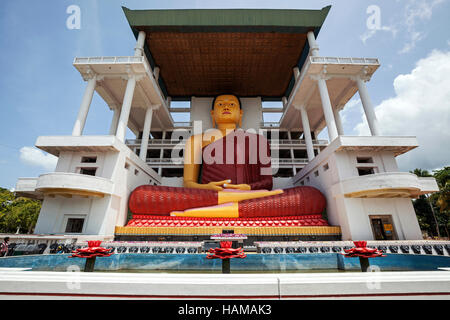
(226, 252)
(91, 253)
(363, 253)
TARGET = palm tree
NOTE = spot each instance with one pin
(425, 173)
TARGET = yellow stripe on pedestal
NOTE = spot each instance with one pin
(265, 231)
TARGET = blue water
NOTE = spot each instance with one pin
(308, 262)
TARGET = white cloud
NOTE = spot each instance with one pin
(416, 10)
(420, 108)
(405, 22)
(349, 110)
(35, 157)
(371, 32)
(411, 44)
(353, 103)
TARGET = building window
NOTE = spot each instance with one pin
(316, 173)
(172, 172)
(364, 159)
(307, 179)
(283, 173)
(136, 172)
(302, 183)
(326, 167)
(74, 225)
(88, 159)
(88, 171)
(127, 165)
(365, 171)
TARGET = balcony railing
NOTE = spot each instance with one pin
(269, 124)
(167, 161)
(137, 142)
(296, 142)
(336, 60)
(290, 161)
(104, 60)
(182, 124)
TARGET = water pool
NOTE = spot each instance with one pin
(254, 263)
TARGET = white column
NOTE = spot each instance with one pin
(313, 47)
(139, 49)
(327, 109)
(115, 121)
(126, 107)
(337, 118)
(146, 133)
(307, 133)
(368, 108)
(84, 107)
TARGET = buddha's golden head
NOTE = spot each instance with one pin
(226, 108)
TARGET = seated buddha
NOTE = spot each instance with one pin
(227, 174)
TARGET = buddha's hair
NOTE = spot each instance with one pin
(226, 94)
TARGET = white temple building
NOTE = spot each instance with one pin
(88, 193)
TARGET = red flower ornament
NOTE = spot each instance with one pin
(93, 250)
(226, 252)
(361, 250)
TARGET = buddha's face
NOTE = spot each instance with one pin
(226, 110)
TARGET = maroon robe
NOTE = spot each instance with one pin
(240, 156)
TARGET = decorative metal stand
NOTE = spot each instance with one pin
(364, 262)
(90, 264)
(226, 266)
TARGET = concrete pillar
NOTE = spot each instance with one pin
(313, 47)
(115, 121)
(84, 107)
(146, 133)
(307, 133)
(337, 118)
(368, 108)
(327, 109)
(139, 49)
(126, 107)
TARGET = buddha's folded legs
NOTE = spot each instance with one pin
(160, 200)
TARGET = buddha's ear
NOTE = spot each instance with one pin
(240, 118)
(213, 120)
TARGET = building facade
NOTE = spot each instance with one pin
(367, 196)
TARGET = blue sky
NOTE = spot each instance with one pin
(41, 91)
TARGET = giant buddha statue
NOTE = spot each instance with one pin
(227, 174)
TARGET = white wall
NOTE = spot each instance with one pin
(352, 214)
(101, 214)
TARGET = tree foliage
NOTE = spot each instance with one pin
(434, 209)
(17, 213)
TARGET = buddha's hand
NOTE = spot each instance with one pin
(242, 186)
(216, 185)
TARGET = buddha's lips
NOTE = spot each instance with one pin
(226, 112)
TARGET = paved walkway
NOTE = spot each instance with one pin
(17, 284)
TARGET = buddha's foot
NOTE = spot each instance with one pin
(226, 210)
(233, 196)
